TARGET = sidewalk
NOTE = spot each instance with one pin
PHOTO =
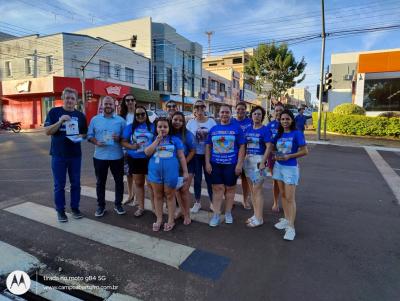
(344, 140)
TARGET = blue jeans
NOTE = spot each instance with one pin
(101, 170)
(199, 167)
(60, 166)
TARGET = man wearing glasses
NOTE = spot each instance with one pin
(171, 108)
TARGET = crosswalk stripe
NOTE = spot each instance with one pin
(185, 258)
(202, 216)
(156, 249)
(50, 293)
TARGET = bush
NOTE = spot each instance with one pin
(360, 125)
(349, 109)
(389, 114)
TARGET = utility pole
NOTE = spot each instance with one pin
(244, 75)
(83, 79)
(209, 34)
(322, 71)
(183, 81)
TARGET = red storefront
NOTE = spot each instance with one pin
(29, 101)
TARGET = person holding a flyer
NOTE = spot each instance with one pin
(67, 127)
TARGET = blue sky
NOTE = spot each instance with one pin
(236, 23)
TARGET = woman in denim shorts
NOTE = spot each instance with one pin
(290, 145)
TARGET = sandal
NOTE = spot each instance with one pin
(248, 221)
(168, 227)
(275, 209)
(128, 200)
(187, 221)
(139, 212)
(156, 227)
(247, 206)
(255, 223)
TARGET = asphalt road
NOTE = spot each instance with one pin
(347, 245)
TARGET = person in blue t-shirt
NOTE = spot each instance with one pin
(65, 124)
(224, 161)
(301, 120)
(166, 153)
(244, 123)
(290, 145)
(273, 127)
(257, 139)
(189, 149)
(105, 131)
(135, 138)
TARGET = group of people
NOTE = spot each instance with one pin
(167, 155)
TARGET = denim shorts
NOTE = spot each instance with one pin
(165, 172)
(252, 171)
(287, 174)
(223, 174)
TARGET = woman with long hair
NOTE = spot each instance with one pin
(289, 144)
(257, 139)
(167, 155)
(127, 112)
(199, 127)
(136, 137)
(182, 195)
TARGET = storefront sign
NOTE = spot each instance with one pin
(23, 87)
(116, 90)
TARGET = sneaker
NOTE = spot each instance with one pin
(290, 233)
(76, 213)
(214, 221)
(228, 218)
(283, 224)
(62, 217)
(100, 211)
(119, 210)
(196, 207)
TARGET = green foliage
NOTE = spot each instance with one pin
(360, 125)
(277, 65)
(349, 109)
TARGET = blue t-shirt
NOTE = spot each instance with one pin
(225, 141)
(256, 139)
(289, 143)
(301, 121)
(244, 124)
(142, 136)
(273, 127)
(102, 128)
(61, 146)
(167, 149)
(188, 142)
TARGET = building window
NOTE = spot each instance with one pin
(129, 75)
(49, 63)
(382, 94)
(8, 69)
(237, 60)
(28, 66)
(213, 85)
(104, 68)
(204, 83)
(117, 71)
(222, 87)
(212, 64)
(169, 79)
(235, 83)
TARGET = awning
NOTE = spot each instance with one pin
(145, 95)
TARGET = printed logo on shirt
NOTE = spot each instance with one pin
(284, 145)
(223, 144)
(143, 138)
(253, 142)
(201, 135)
(165, 151)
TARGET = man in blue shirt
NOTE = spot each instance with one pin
(301, 120)
(105, 131)
(67, 127)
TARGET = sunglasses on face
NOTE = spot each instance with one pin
(171, 106)
(140, 114)
(130, 100)
(200, 107)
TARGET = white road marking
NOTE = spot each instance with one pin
(378, 148)
(390, 176)
(49, 293)
(153, 248)
(120, 297)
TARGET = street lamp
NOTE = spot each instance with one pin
(82, 68)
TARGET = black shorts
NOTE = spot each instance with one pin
(223, 174)
(138, 166)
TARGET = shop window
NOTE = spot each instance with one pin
(382, 94)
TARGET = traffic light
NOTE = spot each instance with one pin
(133, 41)
(328, 81)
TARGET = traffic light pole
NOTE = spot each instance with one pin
(322, 72)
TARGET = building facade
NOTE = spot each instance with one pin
(369, 79)
(35, 69)
(299, 96)
(176, 61)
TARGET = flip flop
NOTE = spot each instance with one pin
(187, 221)
(168, 227)
(255, 223)
(139, 212)
(156, 227)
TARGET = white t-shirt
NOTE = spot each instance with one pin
(129, 118)
(200, 131)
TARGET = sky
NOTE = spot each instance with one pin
(237, 24)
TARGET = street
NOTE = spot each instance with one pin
(347, 245)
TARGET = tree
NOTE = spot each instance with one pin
(277, 65)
